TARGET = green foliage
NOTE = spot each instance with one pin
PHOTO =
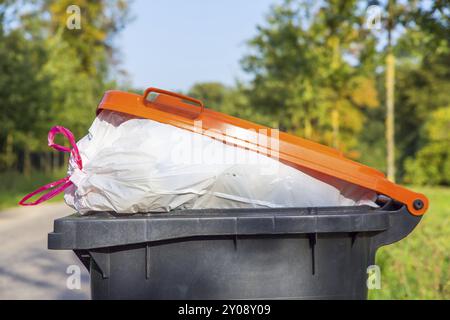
(422, 88)
(431, 164)
(51, 75)
(229, 100)
(316, 72)
(100, 22)
(312, 71)
(214, 95)
(23, 94)
(74, 93)
(372, 143)
(418, 267)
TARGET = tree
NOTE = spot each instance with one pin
(423, 81)
(93, 43)
(23, 95)
(406, 20)
(229, 100)
(78, 85)
(74, 93)
(214, 95)
(431, 164)
(50, 74)
(311, 70)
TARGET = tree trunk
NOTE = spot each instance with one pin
(335, 65)
(390, 139)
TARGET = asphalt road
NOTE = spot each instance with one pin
(28, 270)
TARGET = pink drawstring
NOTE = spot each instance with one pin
(63, 183)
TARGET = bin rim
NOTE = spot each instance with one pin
(107, 229)
(179, 111)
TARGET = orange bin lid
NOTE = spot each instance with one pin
(190, 114)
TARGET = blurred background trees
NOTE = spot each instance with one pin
(315, 70)
(51, 75)
(319, 72)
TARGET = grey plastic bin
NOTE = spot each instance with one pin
(290, 253)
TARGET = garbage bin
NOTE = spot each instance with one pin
(282, 253)
(289, 253)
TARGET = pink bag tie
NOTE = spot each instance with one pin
(63, 183)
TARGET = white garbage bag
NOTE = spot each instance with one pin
(135, 165)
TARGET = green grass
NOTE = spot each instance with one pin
(14, 186)
(418, 267)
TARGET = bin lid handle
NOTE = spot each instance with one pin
(172, 100)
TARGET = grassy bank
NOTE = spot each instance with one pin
(13, 186)
(418, 267)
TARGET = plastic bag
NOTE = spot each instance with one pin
(135, 165)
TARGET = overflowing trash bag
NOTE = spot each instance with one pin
(144, 156)
(135, 165)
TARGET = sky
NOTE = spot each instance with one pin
(172, 44)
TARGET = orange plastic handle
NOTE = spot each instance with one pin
(174, 102)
